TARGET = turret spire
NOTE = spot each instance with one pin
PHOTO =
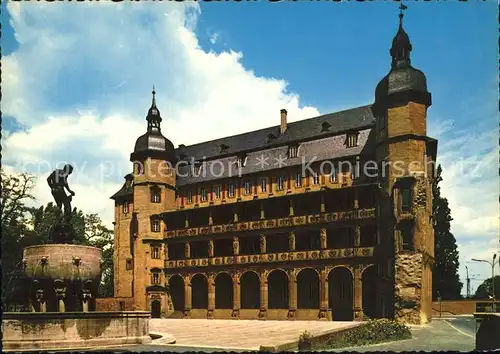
(401, 46)
(153, 104)
(153, 117)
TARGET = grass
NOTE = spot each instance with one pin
(371, 332)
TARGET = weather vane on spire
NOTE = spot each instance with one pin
(402, 7)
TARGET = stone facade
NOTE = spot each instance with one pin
(287, 242)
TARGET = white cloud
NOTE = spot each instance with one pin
(85, 90)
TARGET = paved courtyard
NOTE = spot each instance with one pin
(240, 334)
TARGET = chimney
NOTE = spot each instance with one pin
(283, 125)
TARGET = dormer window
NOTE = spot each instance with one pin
(325, 126)
(270, 137)
(352, 139)
(197, 168)
(223, 148)
(155, 195)
(125, 208)
(242, 160)
(293, 151)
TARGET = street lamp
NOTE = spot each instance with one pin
(492, 264)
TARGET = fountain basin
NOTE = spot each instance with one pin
(73, 330)
(63, 261)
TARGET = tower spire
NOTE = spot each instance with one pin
(153, 103)
(401, 46)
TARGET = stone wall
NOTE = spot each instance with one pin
(114, 304)
(65, 330)
(408, 288)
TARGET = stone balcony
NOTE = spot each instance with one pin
(273, 257)
(357, 214)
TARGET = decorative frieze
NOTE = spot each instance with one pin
(275, 223)
(273, 257)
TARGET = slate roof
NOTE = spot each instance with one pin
(306, 129)
(126, 189)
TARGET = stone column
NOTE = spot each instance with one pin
(291, 210)
(357, 236)
(210, 248)
(236, 296)
(186, 223)
(235, 216)
(211, 296)
(187, 297)
(210, 219)
(356, 199)
(291, 241)
(292, 294)
(323, 293)
(323, 236)
(263, 244)
(187, 250)
(358, 294)
(263, 296)
(322, 204)
(262, 213)
(60, 295)
(236, 246)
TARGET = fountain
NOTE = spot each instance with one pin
(57, 286)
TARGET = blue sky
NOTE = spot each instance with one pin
(85, 71)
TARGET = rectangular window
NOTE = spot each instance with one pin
(129, 265)
(217, 191)
(405, 200)
(125, 208)
(352, 140)
(230, 190)
(281, 183)
(203, 194)
(155, 196)
(298, 179)
(242, 161)
(263, 185)
(155, 252)
(293, 151)
(189, 197)
(248, 188)
(406, 237)
(155, 278)
(315, 178)
(333, 174)
(155, 225)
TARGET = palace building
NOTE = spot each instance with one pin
(326, 218)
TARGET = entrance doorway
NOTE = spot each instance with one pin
(155, 309)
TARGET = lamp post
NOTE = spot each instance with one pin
(492, 264)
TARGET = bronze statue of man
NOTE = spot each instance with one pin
(58, 181)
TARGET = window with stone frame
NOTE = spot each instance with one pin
(280, 183)
(155, 194)
(217, 191)
(189, 197)
(298, 179)
(230, 190)
(155, 277)
(406, 236)
(315, 176)
(352, 139)
(248, 187)
(204, 194)
(155, 252)
(263, 185)
(241, 161)
(405, 196)
(125, 208)
(138, 168)
(155, 225)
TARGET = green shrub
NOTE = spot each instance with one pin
(305, 341)
(372, 332)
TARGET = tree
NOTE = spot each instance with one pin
(445, 279)
(16, 191)
(485, 290)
